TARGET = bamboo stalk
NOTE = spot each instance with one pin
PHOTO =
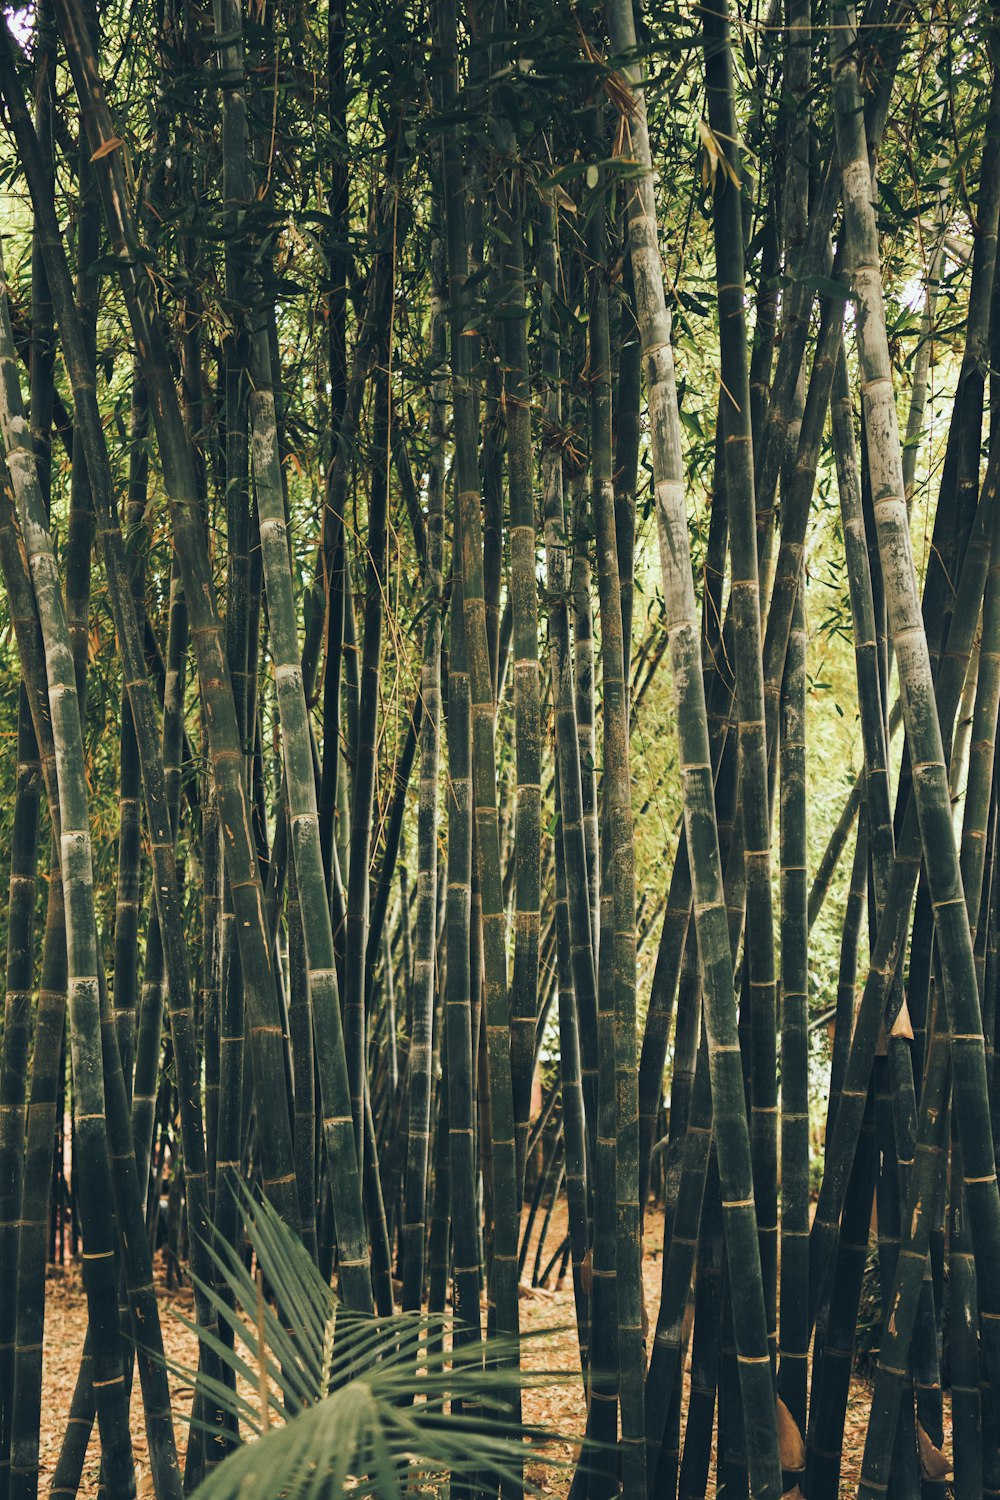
(46, 1066)
(16, 1043)
(746, 594)
(575, 953)
(425, 944)
(793, 1347)
(458, 996)
(619, 1064)
(527, 683)
(503, 1278)
(713, 938)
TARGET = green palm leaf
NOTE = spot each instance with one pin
(353, 1401)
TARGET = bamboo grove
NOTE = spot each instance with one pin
(443, 450)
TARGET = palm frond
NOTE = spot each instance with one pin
(334, 1400)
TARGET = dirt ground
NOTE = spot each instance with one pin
(558, 1406)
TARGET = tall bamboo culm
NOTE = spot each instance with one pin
(699, 802)
(503, 1264)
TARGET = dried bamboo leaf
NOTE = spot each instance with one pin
(790, 1445)
(933, 1463)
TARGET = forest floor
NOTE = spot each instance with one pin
(557, 1405)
